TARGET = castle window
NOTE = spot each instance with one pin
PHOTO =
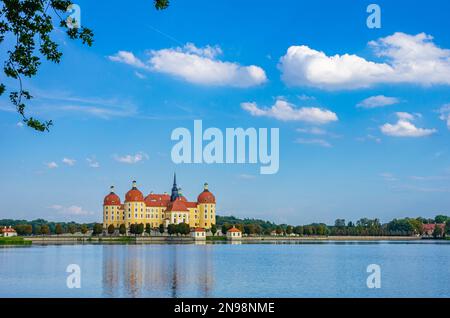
(135, 215)
(129, 215)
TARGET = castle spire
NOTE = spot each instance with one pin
(174, 195)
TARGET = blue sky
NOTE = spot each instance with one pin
(363, 131)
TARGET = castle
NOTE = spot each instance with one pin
(157, 209)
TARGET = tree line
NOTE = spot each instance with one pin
(362, 227)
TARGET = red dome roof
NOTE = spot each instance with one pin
(111, 199)
(134, 195)
(206, 197)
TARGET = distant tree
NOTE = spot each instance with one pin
(161, 228)
(172, 229)
(226, 227)
(289, 229)
(417, 225)
(183, 228)
(279, 230)
(72, 228)
(140, 228)
(84, 229)
(23, 229)
(132, 229)
(350, 224)
(44, 230)
(298, 230)
(440, 219)
(122, 229)
(339, 223)
(148, 228)
(437, 232)
(111, 229)
(97, 229)
(58, 229)
(36, 229)
(213, 229)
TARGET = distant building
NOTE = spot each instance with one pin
(234, 234)
(157, 209)
(8, 232)
(428, 229)
(198, 233)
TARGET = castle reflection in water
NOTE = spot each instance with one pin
(157, 270)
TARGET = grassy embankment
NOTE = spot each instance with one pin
(15, 240)
(216, 238)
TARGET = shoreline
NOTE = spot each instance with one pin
(51, 240)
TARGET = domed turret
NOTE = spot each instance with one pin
(111, 198)
(206, 196)
(134, 195)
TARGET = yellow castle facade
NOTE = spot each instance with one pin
(157, 209)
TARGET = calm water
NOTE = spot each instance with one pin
(410, 269)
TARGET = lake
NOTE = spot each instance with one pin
(326, 269)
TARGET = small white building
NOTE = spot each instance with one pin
(234, 234)
(8, 231)
(198, 233)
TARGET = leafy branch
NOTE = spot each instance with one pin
(30, 25)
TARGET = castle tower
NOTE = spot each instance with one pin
(134, 206)
(206, 202)
(111, 209)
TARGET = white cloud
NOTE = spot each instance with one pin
(69, 162)
(305, 97)
(52, 165)
(139, 75)
(405, 128)
(444, 112)
(196, 65)
(387, 176)
(128, 58)
(412, 59)
(246, 176)
(312, 131)
(319, 142)
(370, 137)
(131, 159)
(282, 110)
(92, 162)
(64, 102)
(73, 210)
(20, 124)
(378, 101)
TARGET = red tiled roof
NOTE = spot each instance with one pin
(8, 230)
(431, 227)
(190, 204)
(157, 200)
(198, 229)
(177, 206)
(111, 199)
(233, 229)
